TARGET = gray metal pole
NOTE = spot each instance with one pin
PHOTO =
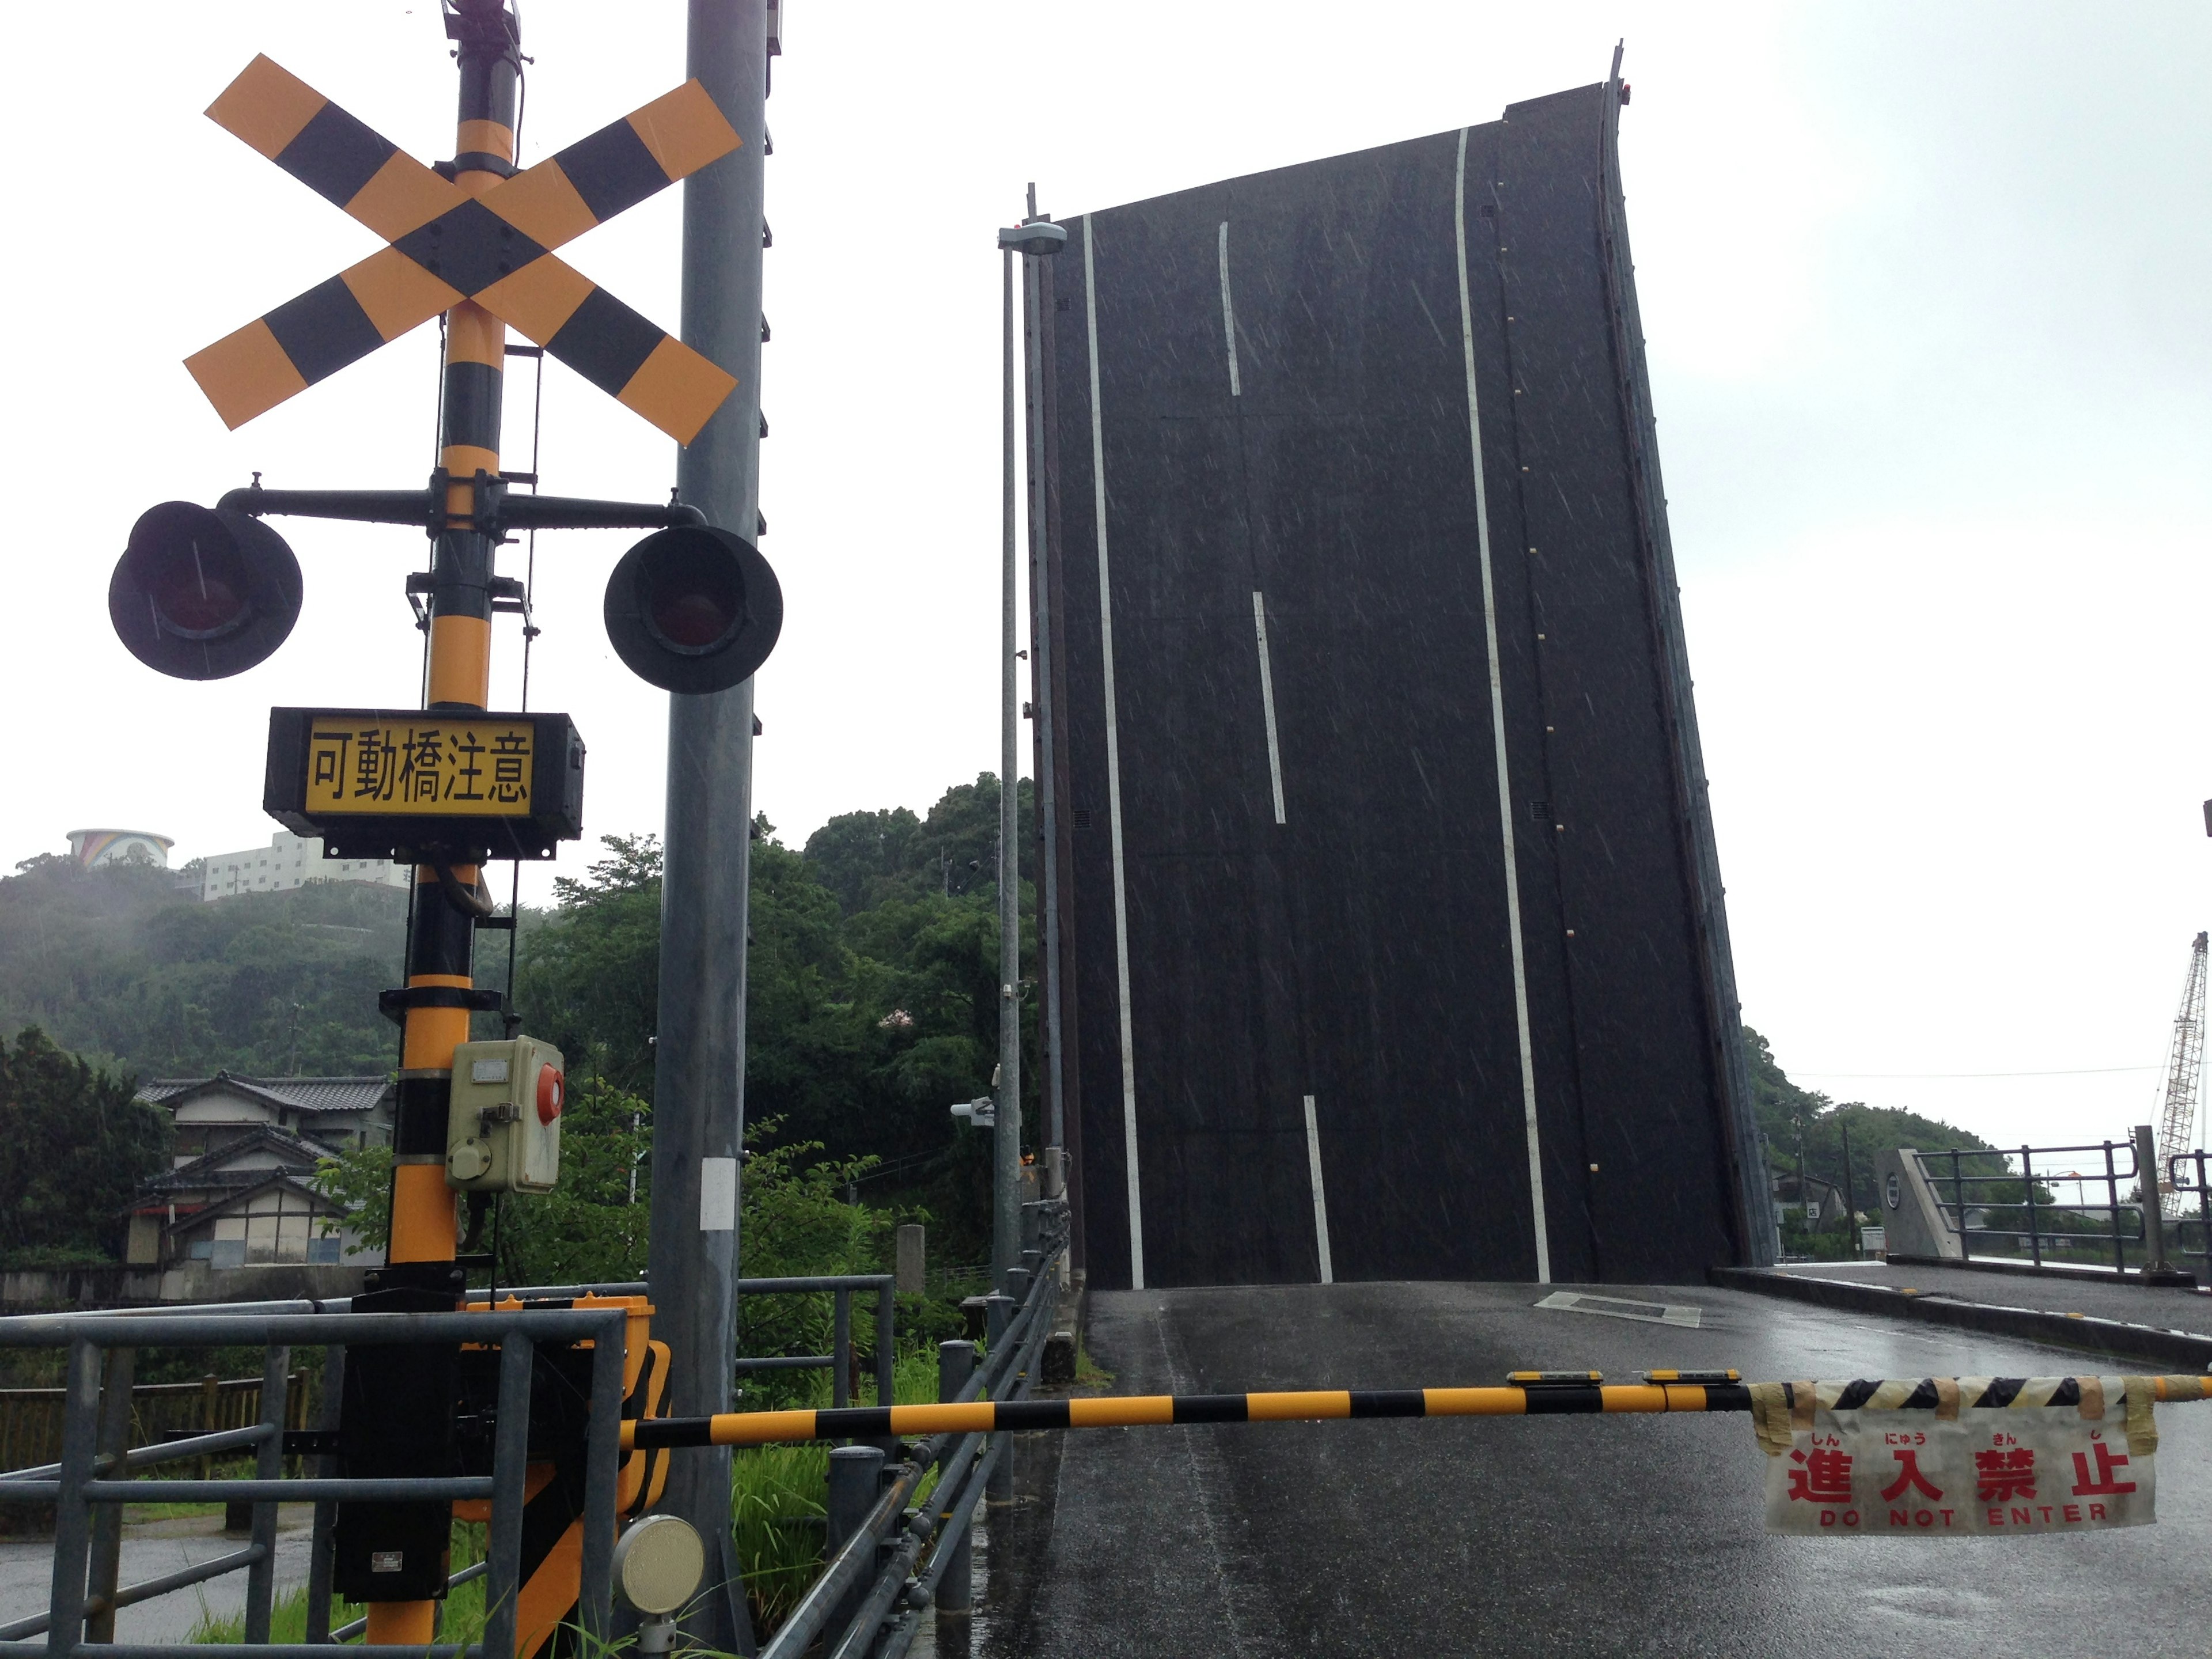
(1048, 803)
(510, 1469)
(956, 1591)
(114, 1441)
(268, 1465)
(1006, 1212)
(2154, 1213)
(699, 1082)
(999, 1313)
(321, 1556)
(856, 1481)
(602, 1487)
(72, 1515)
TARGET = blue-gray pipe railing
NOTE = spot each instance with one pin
(1005, 1374)
(83, 1478)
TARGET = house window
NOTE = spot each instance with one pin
(325, 1252)
(202, 1250)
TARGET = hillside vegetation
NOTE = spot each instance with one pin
(872, 1006)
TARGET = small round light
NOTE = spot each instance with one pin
(693, 609)
(658, 1565)
(202, 593)
(552, 1093)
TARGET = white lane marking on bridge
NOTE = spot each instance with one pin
(1229, 318)
(1498, 737)
(1321, 1202)
(1114, 779)
(1615, 1307)
(1268, 702)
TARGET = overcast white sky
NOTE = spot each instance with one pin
(1925, 292)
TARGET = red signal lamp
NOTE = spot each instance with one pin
(202, 593)
(693, 609)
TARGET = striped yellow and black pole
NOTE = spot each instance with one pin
(441, 935)
(1525, 1394)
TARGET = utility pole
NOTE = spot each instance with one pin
(1047, 805)
(1026, 239)
(1007, 1145)
(700, 1056)
(1850, 1198)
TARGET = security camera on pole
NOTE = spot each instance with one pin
(1035, 239)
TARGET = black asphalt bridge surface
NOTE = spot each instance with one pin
(1544, 1536)
(1280, 595)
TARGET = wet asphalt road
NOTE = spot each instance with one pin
(1556, 1535)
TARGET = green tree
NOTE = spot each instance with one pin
(588, 979)
(78, 1143)
(118, 965)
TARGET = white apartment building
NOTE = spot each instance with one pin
(289, 861)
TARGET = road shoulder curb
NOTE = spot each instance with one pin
(2117, 1338)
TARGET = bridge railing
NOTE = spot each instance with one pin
(92, 1481)
(2005, 1210)
(890, 1555)
(2189, 1178)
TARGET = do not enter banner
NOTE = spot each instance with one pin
(1936, 1457)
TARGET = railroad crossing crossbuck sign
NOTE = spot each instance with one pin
(445, 244)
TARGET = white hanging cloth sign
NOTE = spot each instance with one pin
(1944, 1457)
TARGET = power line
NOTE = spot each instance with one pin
(2082, 1071)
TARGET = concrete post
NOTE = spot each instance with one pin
(2156, 1270)
(911, 1270)
(956, 1591)
(699, 1082)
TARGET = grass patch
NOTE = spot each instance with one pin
(460, 1616)
(778, 1495)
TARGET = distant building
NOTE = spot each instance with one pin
(337, 1112)
(241, 1192)
(289, 861)
(92, 848)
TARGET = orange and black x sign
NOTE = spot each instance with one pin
(446, 245)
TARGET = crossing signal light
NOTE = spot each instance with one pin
(693, 609)
(202, 593)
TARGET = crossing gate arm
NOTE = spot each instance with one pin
(1136, 1411)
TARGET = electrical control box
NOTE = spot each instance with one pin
(503, 1130)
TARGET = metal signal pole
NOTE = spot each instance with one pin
(1007, 1146)
(441, 931)
(698, 1092)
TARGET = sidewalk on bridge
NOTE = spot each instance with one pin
(2128, 1320)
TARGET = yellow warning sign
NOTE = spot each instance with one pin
(431, 767)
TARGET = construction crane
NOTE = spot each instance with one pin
(2184, 1071)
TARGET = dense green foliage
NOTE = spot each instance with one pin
(77, 1145)
(1805, 1130)
(872, 994)
(118, 965)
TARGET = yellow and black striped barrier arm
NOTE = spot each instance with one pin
(1527, 1395)
(487, 238)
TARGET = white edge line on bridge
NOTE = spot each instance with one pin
(1268, 702)
(1114, 778)
(1321, 1200)
(1497, 731)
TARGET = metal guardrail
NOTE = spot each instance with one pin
(2188, 1173)
(841, 1287)
(870, 1578)
(1961, 1192)
(88, 1501)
